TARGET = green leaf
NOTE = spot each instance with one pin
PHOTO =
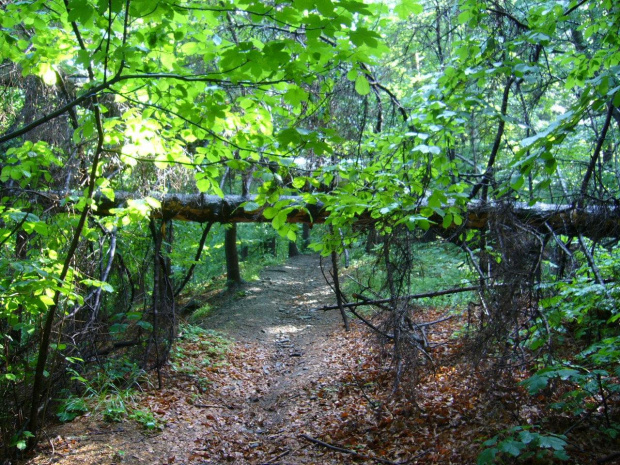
(46, 300)
(118, 328)
(552, 442)
(192, 48)
(535, 383)
(270, 212)
(145, 325)
(134, 316)
(250, 206)
(203, 184)
(80, 10)
(96, 283)
(108, 192)
(299, 183)
(511, 447)
(279, 220)
(363, 36)
(464, 16)
(487, 456)
(517, 182)
(405, 8)
(362, 86)
(526, 437)
(325, 7)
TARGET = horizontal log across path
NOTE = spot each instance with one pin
(590, 221)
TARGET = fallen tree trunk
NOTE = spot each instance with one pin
(592, 221)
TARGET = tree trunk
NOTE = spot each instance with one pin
(595, 221)
(269, 245)
(293, 250)
(372, 239)
(305, 236)
(233, 272)
(338, 292)
(163, 314)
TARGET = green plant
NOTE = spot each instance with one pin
(438, 266)
(71, 408)
(200, 313)
(114, 408)
(147, 419)
(194, 340)
(520, 443)
(20, 440)
(109, 392)
(581, 315)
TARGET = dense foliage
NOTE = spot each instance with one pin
(393, 116)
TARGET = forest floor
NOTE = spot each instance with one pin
(294, 387)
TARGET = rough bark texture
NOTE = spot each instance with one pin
(592, 221)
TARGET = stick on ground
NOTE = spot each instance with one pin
(348, 451)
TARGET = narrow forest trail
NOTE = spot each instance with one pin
(253, 408)
(294, 375)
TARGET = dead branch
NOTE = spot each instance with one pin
(370, 325)
(378, 302)
(609, 458)
(348, 451)
(564, 219)
(278, 457)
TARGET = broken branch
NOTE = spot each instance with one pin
(378, 302)
(348, 451)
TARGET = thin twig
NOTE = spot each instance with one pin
(210, 406)
(277, 457)
(609, 458)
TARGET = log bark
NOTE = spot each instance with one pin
(594, 221)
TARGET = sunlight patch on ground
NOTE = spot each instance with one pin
(283, 329)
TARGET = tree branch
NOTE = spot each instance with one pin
(348, 451)
(423, 295)
(596, 154)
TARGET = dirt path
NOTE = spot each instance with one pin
(294, 374)
(250, 410)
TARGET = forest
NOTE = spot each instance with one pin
(448, 160)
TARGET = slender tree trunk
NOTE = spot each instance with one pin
(157, 299)
(595, 156)
(269, 245)
(397, 315)
(293, 250)
(233, 272)
(21, 250)
(305, 236)
(372, 239)
(190, 272)
(345, 318)
(488, 178)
